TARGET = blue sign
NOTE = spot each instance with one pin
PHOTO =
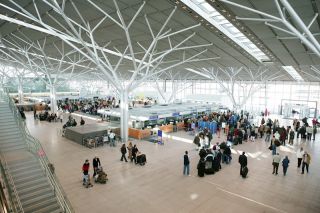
(153, 117)
(175, 114)
(159, 133)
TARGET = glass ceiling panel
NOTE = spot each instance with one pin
(210, 14)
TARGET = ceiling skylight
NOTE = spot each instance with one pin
(210, 14)
(293, 72)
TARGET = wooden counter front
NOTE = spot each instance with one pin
(166, 128)
(180, 125)
(139, 133)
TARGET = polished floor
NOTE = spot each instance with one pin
(159, 186)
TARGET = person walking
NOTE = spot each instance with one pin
(96, 164)
(186, 164)
(268, 134)
(275, 162)
(134, 153)
(299, 156)
(123, 151)
(314, 132)
(285, 165)
(306, 158)
(243, 161)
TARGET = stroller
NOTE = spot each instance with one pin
(101, 176)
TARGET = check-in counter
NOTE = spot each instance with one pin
(180, 125)
(166, 128)
(139, 133)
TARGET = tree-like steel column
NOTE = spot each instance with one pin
(81, 35)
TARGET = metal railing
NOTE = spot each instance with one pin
(35, 147)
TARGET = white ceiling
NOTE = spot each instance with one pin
(286, 52)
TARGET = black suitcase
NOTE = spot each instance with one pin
(141, 159)
(244, 172)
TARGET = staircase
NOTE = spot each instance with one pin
(35, 187)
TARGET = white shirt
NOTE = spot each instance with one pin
(277, 135)
(111, 135)
(300, 153)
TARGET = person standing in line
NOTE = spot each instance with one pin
(299, 156)
(243, 161)
(96, 164)
(291, 137)
(306, 158)
(309, 131)
(285, 165)
(275, 162)
(186, 164)
(123, 151)
(268, 134)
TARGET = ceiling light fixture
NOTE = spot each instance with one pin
(209, 13)
(293, 72)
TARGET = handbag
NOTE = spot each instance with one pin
(270, 147)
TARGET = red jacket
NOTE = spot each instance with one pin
(85, 168)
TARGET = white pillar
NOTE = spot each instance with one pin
(124, 115)
(53, 99)
(20, 90)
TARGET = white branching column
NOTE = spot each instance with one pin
(20, 90)
(228, 78)
(81, 36)
(53, 99)
(124, 114)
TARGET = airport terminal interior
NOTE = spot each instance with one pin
(159, 106)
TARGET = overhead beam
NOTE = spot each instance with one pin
(64, 36)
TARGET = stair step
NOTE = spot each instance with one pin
(36, 194)
(12, 144)
(12, 140)
(5, 128)
(10, 136)
(26, 167)
(52, 208)
(18, 174)
(23, 164)
(21, 179)
(9, 123)
(32, 183)
(37, 199)
(13, 148)
(33, 187)
(40, 205)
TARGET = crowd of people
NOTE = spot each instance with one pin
(237, 128)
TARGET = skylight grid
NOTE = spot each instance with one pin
(293, 73)
(209, 13)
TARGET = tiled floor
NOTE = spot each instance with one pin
(159, 186)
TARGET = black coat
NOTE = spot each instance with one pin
(186, 160)
(96, 162)
(243, 160)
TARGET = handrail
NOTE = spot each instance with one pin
(35, 147)
(8, 181)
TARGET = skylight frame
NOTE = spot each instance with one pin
(293, 73)
(196, 5)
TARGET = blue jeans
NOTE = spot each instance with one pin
(112, 142)
(186, 169)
